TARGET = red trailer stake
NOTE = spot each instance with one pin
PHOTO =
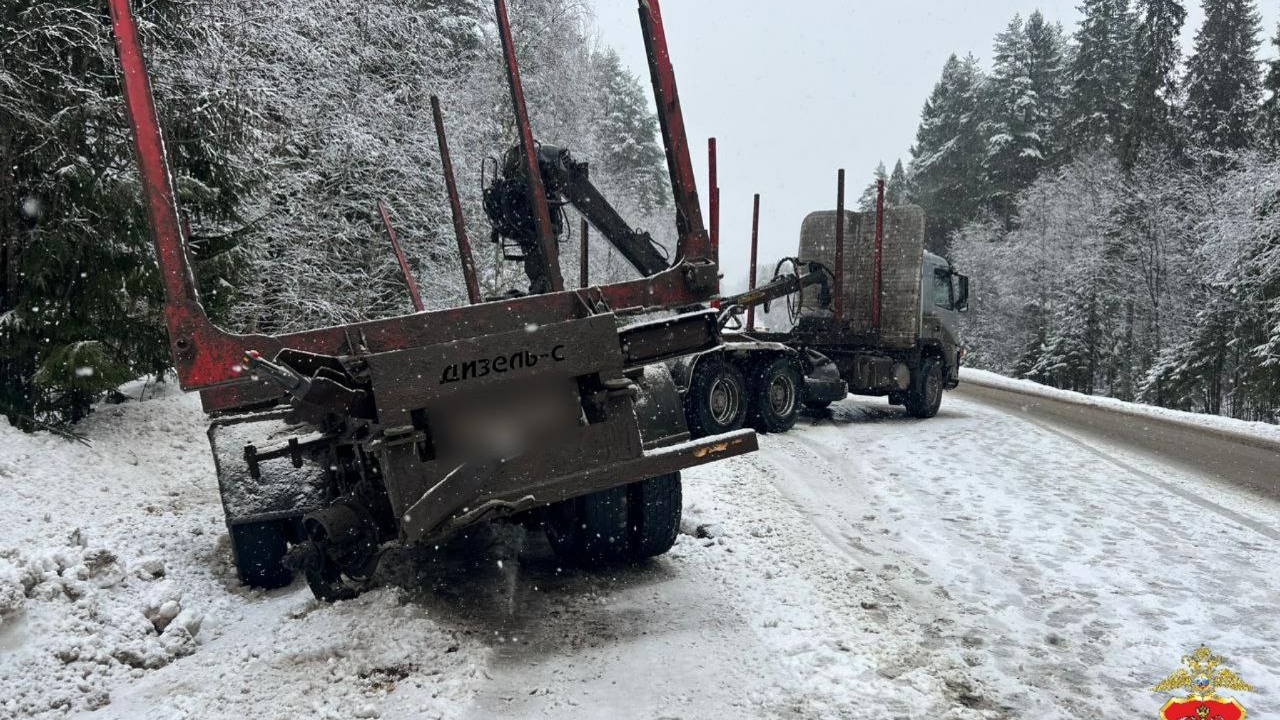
(755, 247)
(455, 206)
(839, 289)
(584, 274)
(878, 265)
(404, 264)
(713, 187)
(548, 251)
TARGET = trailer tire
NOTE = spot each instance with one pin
(258, 550)
(591, 530)
(716, 401)
(654, 506)
(776, 390)
(925, 396)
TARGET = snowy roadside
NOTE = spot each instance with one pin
(1251, 432)
(120, 602)
(116, 592)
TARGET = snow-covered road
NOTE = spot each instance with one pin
(984, 564)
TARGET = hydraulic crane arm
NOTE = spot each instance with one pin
(782, 285)
(638, 247)
(565, 182)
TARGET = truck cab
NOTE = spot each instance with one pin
(902, 343)
(944, 296)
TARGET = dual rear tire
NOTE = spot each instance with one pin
(721, 398)
(620, 525)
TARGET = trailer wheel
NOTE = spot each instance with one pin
(590, 530)
(925, 396)
(258, 550)
(653, 509)
(776, 390)
(716, 400)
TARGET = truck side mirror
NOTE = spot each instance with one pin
(962, 293)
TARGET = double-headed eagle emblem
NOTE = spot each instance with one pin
(1203, 675)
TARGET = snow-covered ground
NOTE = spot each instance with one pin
(972, 566)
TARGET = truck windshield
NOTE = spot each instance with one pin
(940, 288)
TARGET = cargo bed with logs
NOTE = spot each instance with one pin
(870, 312)
(332, 445)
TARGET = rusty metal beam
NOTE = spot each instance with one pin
(400, 258)
(755, 247)
(547, 252)
(713, 187)
(694, 241)
(584, 270)
(183, 313)
(878, 262)
(455, 207)
(839, 269)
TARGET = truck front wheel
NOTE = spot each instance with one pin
(776, 390)
(925, 396)
(716, 400)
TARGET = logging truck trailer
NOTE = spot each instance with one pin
(872, 313)
(333, 445)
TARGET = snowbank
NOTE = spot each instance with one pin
(1254, 433)
(117, 594)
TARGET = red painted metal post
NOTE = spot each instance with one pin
(878, 266)
(548, 251)
(755, 247)
(404, 264)
(713, 187)
(158, 194)
(455, 207)
(839, 269)
(584, 270)
(694, 243)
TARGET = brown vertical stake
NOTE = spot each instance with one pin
(713, 187)
(455, 206)
(877, 267)
(404, 264)
(584, 274)
(839, 269)
(755, 246)
(547, 250)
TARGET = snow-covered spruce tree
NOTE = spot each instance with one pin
(1047, 54)
(946, 159)
(359, 129)
(897, 191)
(1223, 76)
(1269, 116)
(1043, 309)
(867, 200)
(1023, 95)
(1157, 49)
(1226, 358)
(79, 295)
(1100, 75)
(896, 188)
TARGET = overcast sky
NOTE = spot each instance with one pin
(795, 90)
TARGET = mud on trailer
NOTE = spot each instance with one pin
(332, 445)
(871, 313)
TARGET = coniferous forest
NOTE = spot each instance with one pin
(1116, 203)
(1116, 200)
(287, 121)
